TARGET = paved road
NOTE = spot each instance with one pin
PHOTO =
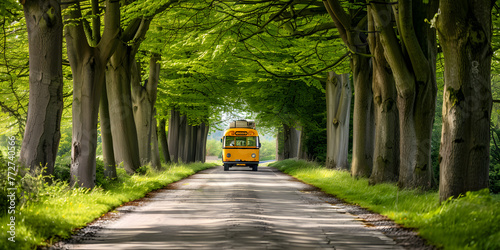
(238, 209)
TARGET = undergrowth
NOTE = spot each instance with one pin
(470, 222)
(54, 211)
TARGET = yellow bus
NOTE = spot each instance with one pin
(240, 145)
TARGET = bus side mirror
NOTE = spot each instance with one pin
(220, 140)
(260, 145)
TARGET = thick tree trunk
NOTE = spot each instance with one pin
(144, 99)
(425, 88)
(413, 66)
(174, 126)
(363, 121)
(108, 154)
(464, 29)
(88, 68)
(85, 112)
(424, 111)
(187, 143)
(118, 77)
(201, 143)
(294, 142)
(143, 123)
(386, 154)
(42, 132)
(121, 73)
(182, 139)
(415, 163)
(283, 143)
(163, 140)
(338, 99)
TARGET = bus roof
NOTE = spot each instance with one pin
(241, 132)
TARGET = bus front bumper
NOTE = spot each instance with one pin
(241, 163)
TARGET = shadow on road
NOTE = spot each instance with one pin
(237, 209)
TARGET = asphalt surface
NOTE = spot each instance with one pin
(237, 209)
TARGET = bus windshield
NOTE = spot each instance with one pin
(241, 141)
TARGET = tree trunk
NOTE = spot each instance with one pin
(88, 68)
(182, 139)
(143, 112)
(464, 29)
(42, 132)
(190, 142)
(198, 150)
(186, 141)
(204, 142)
(155, 152)
(302, 150)
(287, 143)
(425, 88)
(413, 66)
(164, 141)
(284, 143)
(363, 122)
(174, 125)
(277, 148)
(386, 154)
(419, 174)
(118, 76)
(122, 72)
(201, 143)
(85, 112)
(144, 100)
(294, 142)
(108, 154)
(338, 98)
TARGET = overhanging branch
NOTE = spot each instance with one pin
(261, 29)
(299, 75)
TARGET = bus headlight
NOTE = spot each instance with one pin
(254, 155)
(228, 155)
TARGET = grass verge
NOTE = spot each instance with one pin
(470, 222)
(59, 210)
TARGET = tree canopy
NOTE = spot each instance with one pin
(267, 59)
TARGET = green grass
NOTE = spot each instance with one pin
(267, 158)
(59, 209)
(470, 222)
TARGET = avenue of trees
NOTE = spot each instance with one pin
(392, 91)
